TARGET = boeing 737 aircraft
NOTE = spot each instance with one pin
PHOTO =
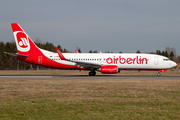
(107, 63)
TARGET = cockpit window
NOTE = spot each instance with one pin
(166, 59)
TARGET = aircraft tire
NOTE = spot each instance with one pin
(92, 73)
(159, 74)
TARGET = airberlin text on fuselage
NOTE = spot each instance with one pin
(121, 60)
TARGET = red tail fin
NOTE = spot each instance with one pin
(25, 45)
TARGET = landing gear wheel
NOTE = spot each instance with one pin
(159, 74)
(92, 73)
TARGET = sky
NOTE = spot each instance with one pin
(102, 25)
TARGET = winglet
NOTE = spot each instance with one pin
(76, 51)
(60, 55)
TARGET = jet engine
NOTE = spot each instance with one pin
(109, 69)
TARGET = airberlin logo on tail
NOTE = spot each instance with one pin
(22, 41)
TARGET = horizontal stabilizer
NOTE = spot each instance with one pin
(16, 54)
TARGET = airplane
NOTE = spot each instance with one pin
(106, 63)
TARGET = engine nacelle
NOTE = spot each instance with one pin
(109, 69)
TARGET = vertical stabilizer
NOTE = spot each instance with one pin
(25, 45)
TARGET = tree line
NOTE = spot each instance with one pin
(8, 62)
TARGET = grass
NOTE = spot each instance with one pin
(101, 99)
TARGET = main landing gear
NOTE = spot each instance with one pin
(92, 73)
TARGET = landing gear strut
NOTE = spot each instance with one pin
(92, 73)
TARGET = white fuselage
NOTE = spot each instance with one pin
(123, 60)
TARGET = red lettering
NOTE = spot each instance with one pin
(114, 61)
(136, 60)
(123, 59)
(129, 60)
(108, 60)
(145, 60)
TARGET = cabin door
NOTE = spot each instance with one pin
(40, 59)
(156, 60)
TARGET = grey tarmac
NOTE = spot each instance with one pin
(91, 77)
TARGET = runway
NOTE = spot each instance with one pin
(91, 77)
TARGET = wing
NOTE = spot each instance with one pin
(79, 63)
(87, 65)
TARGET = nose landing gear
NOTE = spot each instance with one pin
(163, 70)
(158, 74)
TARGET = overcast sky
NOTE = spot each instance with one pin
(102, 25)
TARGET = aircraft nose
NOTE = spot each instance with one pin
(173, 64)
